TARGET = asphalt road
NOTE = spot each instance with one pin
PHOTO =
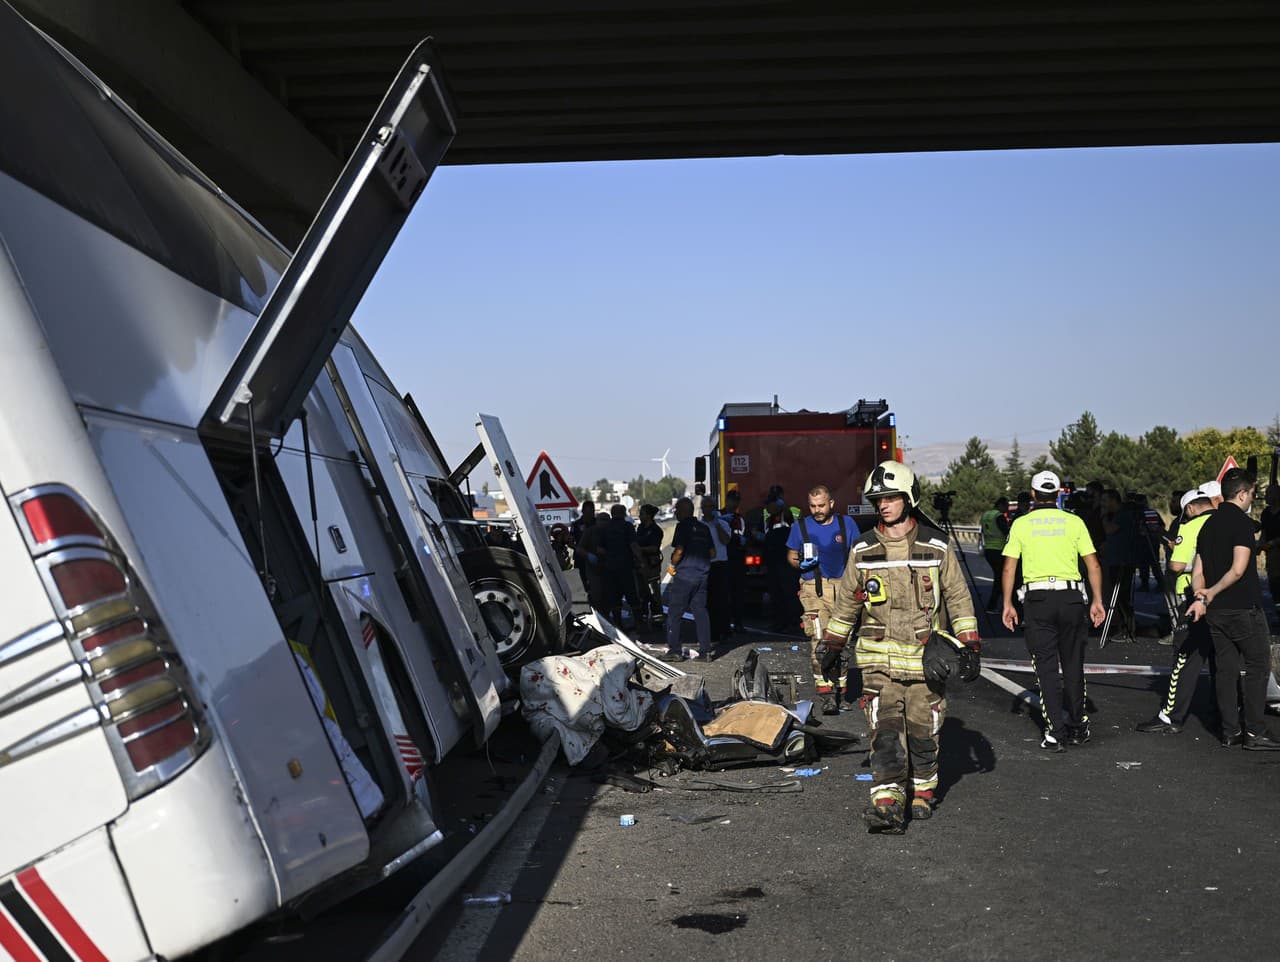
(1131, 847)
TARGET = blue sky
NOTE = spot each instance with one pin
(605, 311)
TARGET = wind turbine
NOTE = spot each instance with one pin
(666, 468)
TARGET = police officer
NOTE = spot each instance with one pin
(901, 582)
(1051, 543)
(819, 547)
(1197, 647)
(995, 532)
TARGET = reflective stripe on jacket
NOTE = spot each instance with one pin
(895, 592)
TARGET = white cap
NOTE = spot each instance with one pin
(1046, 482)
(1195, 494)
(1211, 489)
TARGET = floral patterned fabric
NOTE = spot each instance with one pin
(578, 696)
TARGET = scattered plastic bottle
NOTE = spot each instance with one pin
(626, 821)
(497, 898)
(808, 772)
(764, 648)
(863, 776)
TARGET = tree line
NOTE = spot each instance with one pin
(660, 491)
(1160, 464)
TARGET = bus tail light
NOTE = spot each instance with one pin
(143, 694)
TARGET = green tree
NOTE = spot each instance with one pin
(1041, 462)
(1164, 469)
(1273, 432)
(1117, 462)
(1016, 476)
(1076, 450)
(1208, 448)
(582, 494)
(976, 480)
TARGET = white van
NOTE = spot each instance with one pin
(239, 634)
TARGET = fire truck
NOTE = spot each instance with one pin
(757, 446)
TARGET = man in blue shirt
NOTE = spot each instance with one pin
(691, 554)
(819, 546)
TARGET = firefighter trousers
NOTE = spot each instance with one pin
(1056, 631)
(1195, 651)
(814, 620)
(904, 721)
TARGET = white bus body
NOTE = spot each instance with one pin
(227, 669)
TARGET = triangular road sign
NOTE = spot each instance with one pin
(547, 487)
(1227, 465)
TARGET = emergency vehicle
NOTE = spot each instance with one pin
(239, 633)
(757, 446)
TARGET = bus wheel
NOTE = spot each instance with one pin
(507, 593)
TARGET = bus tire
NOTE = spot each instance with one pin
(511, 604)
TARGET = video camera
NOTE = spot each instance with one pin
(942, 502)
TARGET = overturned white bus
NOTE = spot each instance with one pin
(240, 627)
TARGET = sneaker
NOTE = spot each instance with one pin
(1078, 736)
(672, 657)
(1051, 744)
(1161, 723)
(887, 818)
(1232, 739)
(828, 702)
(705, 656)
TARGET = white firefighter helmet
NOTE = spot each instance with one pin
(892, 477)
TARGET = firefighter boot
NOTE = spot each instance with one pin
(886, 817)
(921, 806)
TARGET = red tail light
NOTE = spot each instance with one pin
(143, 692)
(86, 580)
(53, 517)
(754, 561)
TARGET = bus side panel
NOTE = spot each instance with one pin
(84, 879)
(215, 607)
(193, 858)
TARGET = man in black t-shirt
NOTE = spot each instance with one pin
(1228, 594)
(691, 554)
(1270, 543)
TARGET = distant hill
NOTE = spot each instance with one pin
(931, 460)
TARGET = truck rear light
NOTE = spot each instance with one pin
(754, 561)
(55, 516)
(143, 694)
(86, 580)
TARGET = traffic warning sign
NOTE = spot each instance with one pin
(547, 487)
(1227, 465)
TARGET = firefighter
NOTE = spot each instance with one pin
(995, 532)
(1196, 648)
(901, 583)
(1051, 543)
(819, 547)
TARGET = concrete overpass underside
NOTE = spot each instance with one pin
(268, 94)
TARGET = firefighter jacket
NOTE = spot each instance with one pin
(895, 592)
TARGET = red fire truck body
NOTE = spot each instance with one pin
(756, 446)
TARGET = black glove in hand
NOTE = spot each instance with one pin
(939, 659)
(970, 663)
(829, 650)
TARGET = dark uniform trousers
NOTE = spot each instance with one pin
(1241, 638)
(1057, 631)
(1195, 651)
